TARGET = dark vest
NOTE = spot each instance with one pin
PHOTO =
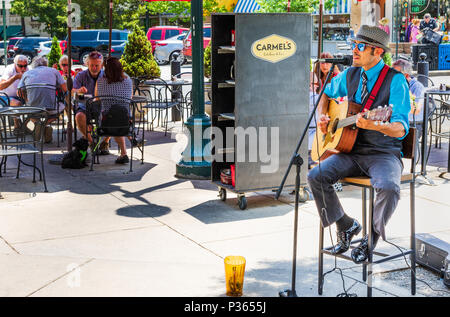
(369, 141)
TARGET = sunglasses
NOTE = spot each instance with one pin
(22, 66)
(64, 65)
(361, 46)
(95, 55)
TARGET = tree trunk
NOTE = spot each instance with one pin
(22, 21)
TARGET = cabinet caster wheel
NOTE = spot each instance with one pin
(223, 194)
(242, 201)
(305, 194)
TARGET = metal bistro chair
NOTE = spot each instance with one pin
(160, 98)
(440, 114)
(55, 106)
(19, 142)
(98, 109)
(185, 99)
(3, 102)
(409, 144)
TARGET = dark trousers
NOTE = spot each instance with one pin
(384, 171)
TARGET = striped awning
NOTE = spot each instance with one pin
(246, 6)
(340, 7)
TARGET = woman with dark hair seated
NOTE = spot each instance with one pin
(115, 83)
(321, 71)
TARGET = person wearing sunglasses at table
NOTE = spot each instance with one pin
(84, 83)
(9, 82)
(64, 67)
(11, 78)
(377, 150)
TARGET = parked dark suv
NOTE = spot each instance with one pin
(86, 41)
(28, 46)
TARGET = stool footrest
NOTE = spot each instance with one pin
(384, 258)
(353, 242)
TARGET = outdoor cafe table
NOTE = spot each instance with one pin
(20, 111)
(28, 147)
(430, 93)
(169, 82)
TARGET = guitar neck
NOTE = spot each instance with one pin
(347, 121)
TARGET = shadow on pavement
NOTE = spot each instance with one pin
(139, 211)
(259, 206)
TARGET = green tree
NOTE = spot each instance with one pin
(51, 13)
(182, 9)
(55, 53)
(387, 58)
(95, 13)
(296, 5)
(137, 58)
(207, 61)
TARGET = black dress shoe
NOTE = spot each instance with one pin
(345, 237)
(361, 252)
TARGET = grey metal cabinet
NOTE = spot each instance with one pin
(258, 114)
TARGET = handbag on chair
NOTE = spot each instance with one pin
(115, 121)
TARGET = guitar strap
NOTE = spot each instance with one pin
(376, 88)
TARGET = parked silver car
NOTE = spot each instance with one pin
(165, 48)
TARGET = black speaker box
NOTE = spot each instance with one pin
(434, 254)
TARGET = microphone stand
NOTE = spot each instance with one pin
(298, 162)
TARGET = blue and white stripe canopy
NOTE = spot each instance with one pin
(246, 6)
(340, 7)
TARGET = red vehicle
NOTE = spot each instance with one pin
(12, 41)
(63, 45)
(187, 42)
(158, 33)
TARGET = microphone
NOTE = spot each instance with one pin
(346, 60)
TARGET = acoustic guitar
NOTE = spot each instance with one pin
(342, 131)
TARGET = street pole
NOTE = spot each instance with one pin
(69, 77)
(56, 159)
(110, 26)
(319, 42)
(5, 42)
(195, 162)
(397, 28)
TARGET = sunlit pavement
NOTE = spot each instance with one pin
(110, 232)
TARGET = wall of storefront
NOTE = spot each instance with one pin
(32, 27)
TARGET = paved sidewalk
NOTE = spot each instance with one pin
(147, 233)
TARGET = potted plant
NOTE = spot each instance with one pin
(55, 53)
(207, 74)
(137, 59)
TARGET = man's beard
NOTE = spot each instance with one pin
(357, 63)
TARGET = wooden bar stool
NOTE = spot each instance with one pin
(409, 146)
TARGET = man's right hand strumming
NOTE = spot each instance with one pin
(323, 123)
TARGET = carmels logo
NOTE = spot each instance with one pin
(274, 48)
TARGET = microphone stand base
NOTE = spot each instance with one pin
(287, 293)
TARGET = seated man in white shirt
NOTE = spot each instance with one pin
(11, 78)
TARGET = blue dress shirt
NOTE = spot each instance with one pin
(399, 96)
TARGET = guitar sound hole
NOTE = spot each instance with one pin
(334, 127)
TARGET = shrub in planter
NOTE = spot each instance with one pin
(137, 59)
(55, 53)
